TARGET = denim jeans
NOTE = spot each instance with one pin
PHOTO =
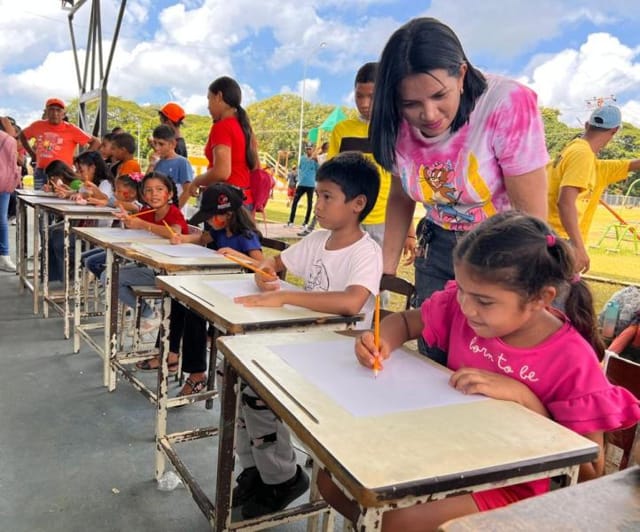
(4, 223)
(94, 260)
(131, 275)
(433, 268)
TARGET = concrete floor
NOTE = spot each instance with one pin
(74, 457)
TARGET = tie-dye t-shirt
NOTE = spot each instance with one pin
(459, 177)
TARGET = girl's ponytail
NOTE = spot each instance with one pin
(580, 310)
(250, 147)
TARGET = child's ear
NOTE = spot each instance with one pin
(546, 296)
(359, 203)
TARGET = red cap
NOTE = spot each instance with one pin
(55, 101)
(173, 112)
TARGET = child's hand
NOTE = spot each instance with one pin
(267, 284)
(176, 238)
(476, 381)
(96, 201)
(266, 299)
(366, 351)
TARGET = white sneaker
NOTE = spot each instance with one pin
(288, 224)
(6, 264)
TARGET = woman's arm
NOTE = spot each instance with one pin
(400, 209)
(220, 171)
(528, 192)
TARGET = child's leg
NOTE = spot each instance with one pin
(135, 275)
(309, 193)
(94, 260)
(418, 518)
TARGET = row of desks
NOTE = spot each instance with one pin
(380, 460)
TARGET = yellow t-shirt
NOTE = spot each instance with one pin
(577, 166)
(353, 135)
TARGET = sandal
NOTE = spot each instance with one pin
(153, 364)
(190, 387)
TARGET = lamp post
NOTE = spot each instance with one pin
(304, 82)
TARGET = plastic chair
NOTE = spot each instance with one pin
(620, 444)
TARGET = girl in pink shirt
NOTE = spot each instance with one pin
(505, 340)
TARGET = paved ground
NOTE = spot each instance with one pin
(74, 457)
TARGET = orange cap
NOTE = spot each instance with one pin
(55, 102)
(173, 112)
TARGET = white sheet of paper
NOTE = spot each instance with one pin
(191, 251)
(129, 234)
(242, 287)
(406, 382)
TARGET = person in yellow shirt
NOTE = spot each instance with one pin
(353, 135)
(577, 179)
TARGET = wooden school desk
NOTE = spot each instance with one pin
(102, 237)
(69, 213)
(608, 503)
(162, 264)
(26, 199)
(212, 298)
(398, 458)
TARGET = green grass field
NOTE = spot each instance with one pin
(620, 266)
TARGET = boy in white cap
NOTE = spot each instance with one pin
(577, 179)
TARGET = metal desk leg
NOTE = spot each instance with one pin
(162, 390)
(45, 264)
(226, 443)
(77, 297)
(111, 319)
(37, 225)
(21, 256)
(66, 312)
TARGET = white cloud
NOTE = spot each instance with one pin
(601, 67)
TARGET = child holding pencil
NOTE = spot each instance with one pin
(161, 217)
(341, 267)
(505, 340)
(232, 232)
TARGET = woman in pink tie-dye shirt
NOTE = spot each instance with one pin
(463, 144)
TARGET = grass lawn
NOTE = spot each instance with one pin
(620, 265)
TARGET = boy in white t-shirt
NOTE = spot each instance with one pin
(341, 267)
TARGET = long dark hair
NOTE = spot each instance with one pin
(232, 96)
(61, 169)
(168, 182)
(241, 223)
(94, 158)
(521, 253)
(418, 47)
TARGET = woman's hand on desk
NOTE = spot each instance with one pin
(366, 351)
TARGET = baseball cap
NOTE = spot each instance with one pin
(173, 112)
(606, 117)
(218, 198)
(55, 102)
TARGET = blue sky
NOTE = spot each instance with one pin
(569, 51)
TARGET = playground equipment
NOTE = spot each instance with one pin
(622, 230)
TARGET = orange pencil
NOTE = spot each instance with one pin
(169, 228)
(249, 266)
(376, 336)
(142, 212)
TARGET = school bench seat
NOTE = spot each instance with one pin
(609, 503)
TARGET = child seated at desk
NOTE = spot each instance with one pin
(505, 340)
(341, 267)
(232, 231)
(159, 194)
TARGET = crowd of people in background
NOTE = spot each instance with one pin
(466, 145)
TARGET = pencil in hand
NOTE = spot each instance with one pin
(376, 337)
(171, 231)
(249, 266)
(141, 213)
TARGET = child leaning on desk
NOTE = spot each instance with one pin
(159, 216)
(341, 267)
(506, 341)
(232, 231)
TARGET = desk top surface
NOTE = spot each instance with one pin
(212, 297)
(66, 207)
(23, 192)
(415, 452)
(32, 200)
(144, 253)
(106, 236)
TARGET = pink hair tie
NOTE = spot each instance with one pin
(136, 176)
(575, 278)
(551, 240)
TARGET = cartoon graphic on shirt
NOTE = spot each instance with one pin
(442, 194)
(318, 278)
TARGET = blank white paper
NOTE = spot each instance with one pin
(406, 382)
(242, 287)
(191, 251)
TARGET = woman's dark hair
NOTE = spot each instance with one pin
(232, 96)
(128, 181)
(521, 253)
(171, 186)
(94, 158)
(418, 47)
(61, 169)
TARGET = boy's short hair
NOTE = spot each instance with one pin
(125, 141)
(367, 73)
(355, 175)
(164, 132)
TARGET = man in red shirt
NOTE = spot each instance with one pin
(55, 139)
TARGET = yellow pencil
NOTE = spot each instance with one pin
(376, 336)
(249, 266)
(142, 212)
(169, 228)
